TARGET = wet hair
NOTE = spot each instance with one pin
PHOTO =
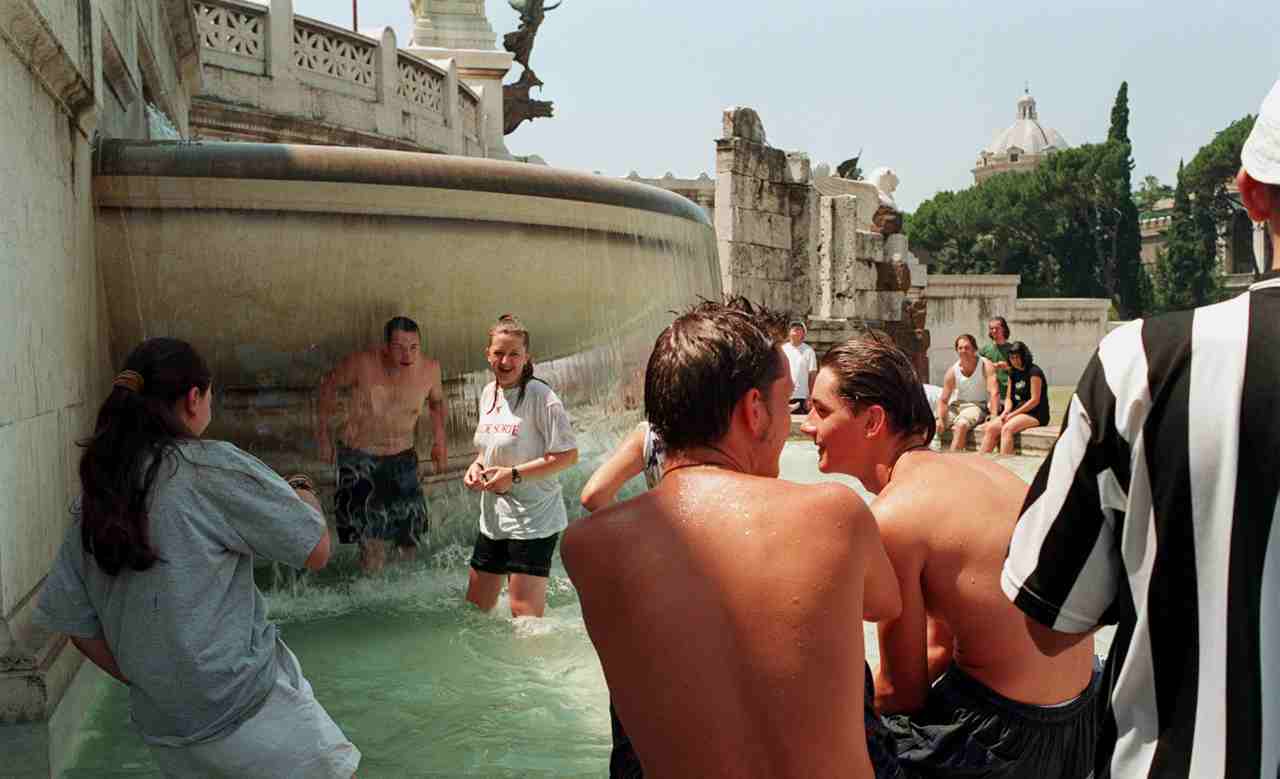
(507, 324)
(965, 337)
(401, 324)
(704, 363)
(1004, 325)
(871, 370)
(135, 429)
(1020, 349)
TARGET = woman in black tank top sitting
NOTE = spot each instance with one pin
(1026, 401)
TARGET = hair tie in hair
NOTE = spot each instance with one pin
(130, 380)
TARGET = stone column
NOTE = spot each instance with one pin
(284, 82)
(389, 115)
(451, 102)
(453, 24)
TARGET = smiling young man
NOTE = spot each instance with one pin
(979, 696)
(379, 499)
(726, 605)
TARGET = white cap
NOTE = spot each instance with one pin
(1261, 152)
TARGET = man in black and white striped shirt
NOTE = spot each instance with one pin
(1156, 512)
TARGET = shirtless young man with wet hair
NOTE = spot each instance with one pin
(726, 606)
(982, 699)
(379, 498)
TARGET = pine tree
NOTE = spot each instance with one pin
(1186, 270)
(1129, 288)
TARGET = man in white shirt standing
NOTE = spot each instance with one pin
(804, 366)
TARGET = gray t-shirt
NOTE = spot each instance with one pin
(191, 632)
(534, 508)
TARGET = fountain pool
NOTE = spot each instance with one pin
(423, 683)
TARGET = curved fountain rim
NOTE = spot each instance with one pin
(347, 165)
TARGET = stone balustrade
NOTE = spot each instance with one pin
(271, 75)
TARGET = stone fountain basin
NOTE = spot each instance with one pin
(276, 260)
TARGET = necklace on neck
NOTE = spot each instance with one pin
(731, 465)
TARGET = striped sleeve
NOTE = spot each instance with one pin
(1064, 567)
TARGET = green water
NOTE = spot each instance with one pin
(423, 683)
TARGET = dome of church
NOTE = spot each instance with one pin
(1026, 134)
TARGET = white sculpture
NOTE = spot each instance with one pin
(885, 181)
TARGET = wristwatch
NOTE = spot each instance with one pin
(515, 475)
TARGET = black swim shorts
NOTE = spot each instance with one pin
(379, 497)
(531, 557)
(968, 730)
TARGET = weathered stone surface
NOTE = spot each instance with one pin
(742, 122)
(893, 276)
(756, 193)
(798, 168)
(749, 261)
(887, 220)
(760, 227)
(738, 155)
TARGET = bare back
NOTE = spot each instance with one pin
(950, 516)
(726, 611)
(385, 406)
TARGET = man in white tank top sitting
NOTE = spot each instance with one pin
(972, 380)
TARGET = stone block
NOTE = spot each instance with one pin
(759, 227)
(743, 122)
(749, 261)
(868, 246)
(744, 191)
(798, 169)
(892, 276)
(738, 155)
(915, 312)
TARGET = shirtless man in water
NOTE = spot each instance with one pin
(726, 606)
(981, 699)
(379, 498)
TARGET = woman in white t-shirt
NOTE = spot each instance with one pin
(523, 440)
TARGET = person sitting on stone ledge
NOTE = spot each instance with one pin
(154, 581)
(1026, 403)
(973, 381)
(998, 352)
(726, 605)
(971, 693)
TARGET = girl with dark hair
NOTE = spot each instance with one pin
(1026, 401)
(523, 440)
(154, 580)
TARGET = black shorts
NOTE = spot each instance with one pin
(530, 557)
(967, 729)
(379, 497)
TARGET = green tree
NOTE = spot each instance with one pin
(1120, 115)
(1186, 269)
(1122, 266)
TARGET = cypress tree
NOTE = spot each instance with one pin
(1130, 291)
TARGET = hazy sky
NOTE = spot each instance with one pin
(919, 86)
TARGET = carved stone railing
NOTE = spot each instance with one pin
(471, 118)
(336, 53)
(273, 76)
(233, 34)
(421, 83)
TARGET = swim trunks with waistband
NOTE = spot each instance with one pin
(379, 497)
(968, 730)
